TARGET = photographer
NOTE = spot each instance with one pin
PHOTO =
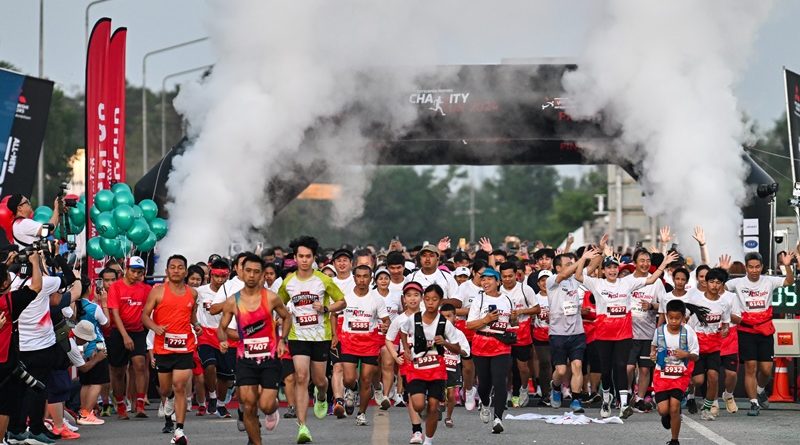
(25, 229)
(11, 306)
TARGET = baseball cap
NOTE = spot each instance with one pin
(543, 274)
(330, 267)
(136, 262)
(13, 202)
(489, 272)
(413, 285)
(429, 248)
(84, 330)
(342, 252)
(610, 260)
(461, 271)
(380, 271)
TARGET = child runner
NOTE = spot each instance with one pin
(452, 363)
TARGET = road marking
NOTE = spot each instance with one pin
(705, 432)
(380, 427)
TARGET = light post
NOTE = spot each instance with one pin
(40, 169)
(144, 92)
(164, 104)
(86, 23)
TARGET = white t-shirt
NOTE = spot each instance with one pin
(396, 325)
(35, 325)
(719, 313)
(644, 322)
(444, 279)
(396, 289)
(662, 305)
(205, 298)
(346, 285)
(673, 342)
(565, 300)
(407, 328)
(393, 302)
(26, 231)
(75, 356)
(755, 296)
(523, 297)
(228, 289)
(466, 293)
(363, 314)
(501, 303)
(275, 285)
(613, 295)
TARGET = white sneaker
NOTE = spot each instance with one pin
(497, 426)
(128, 405)
(715, 408)
(179, 438)
(377, 393)
(416, 438)
(361, 419)
(169, 406)
(523, 396)
(161, 410)
(67, 423)
(469, 398)
(706, 414)
(486, 414)
(605, 410)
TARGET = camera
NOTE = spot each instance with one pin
(28, 380)
(779, 236)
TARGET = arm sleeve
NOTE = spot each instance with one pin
(775, 283)
(450, 332)
(99, 315)
(381, 307)
(113, 297)
(75, 356)
(283, 293)
(691, 340)
(551, 282)
(591, 284)
(529, 295)
(332, 290)
(462, 341)
(635, 283)
(474, 310)
(394, 328)
(27, 227)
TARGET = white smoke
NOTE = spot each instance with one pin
(284, 67)
(663, 74)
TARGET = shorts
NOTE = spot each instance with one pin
(198, 366)
(454, 378)
(564, 348)
(755, 347)
(522, 353)
(265, 374)
(591, 364)
(676, 394)
(640, 354)
(431, 388)
(287, 368)
(59, 386)
(118, 356)
(225, 363)
(730, 362)
(174, 362)
(318, 351)
(98, 375)
(363, 359)
(707, 362)
(13, 392)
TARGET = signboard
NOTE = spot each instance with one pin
(785, 300)
(750, 244)
(750, 227)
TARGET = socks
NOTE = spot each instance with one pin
(428, 441)
(179, 426)
(759, 390)
(212, 395)
(556, 387)
(606, 396)
(707, 404)
(690, 396)
(623, 398)
(754, 401)
(416, 428)
(726, 395)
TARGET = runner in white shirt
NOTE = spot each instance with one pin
(395, 264)
(466, 294)
(525, 306)
(394, 307)
(343, 264)
(429, 273)
(680, 277)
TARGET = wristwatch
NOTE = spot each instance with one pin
(325, 309)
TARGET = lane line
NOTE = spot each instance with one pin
(380, 427)
(705, 432)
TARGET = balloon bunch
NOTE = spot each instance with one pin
(122, 225)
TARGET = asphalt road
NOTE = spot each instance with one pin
(775, 426)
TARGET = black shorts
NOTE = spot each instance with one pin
(591, 362)
(265, 374)
(707, 362)
(730, 362)
(118, 356)
(364, 359)
(676, 394)
(174, 362)
(566, 348)
(225, 363)
(431, 388)
(287, 368)
(98, 375)
(640, 354)
(454, 378)
(522, 353)
(318, 351)
(755, 347)
(13, 392)
(59, 386)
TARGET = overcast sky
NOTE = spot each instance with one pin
(154, 24)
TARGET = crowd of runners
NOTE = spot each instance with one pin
(424, 329)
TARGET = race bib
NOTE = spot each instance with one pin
(713, 318)
(257, 348)
(207, 306)
(570, 308)
(450, 361)
(175, 342)
(359, 325)
(308, 320)
(616, 311)
(673, 371)
(500, 326)
(427, 361)
(756, 303)
(544, 315)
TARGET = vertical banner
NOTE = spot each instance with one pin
(115, 91)
(24, 109)
(793, 118)
(97, 126)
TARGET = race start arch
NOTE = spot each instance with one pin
(482, 115)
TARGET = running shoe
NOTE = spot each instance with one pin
(593, 398)
(271, 420)
(666, 421)
(715, 408)
(89, 418)
(223, 412)
(377, 393)
(497, 426)
(576, 406)
(448, 423)
(555, 399)
(169, 406)
(398, 401)
(320, 406)
(178, 438)
(66, 433)
(361, 419)
(291, 413)
(35, 439)
(485, 414)
(303, 435)
(106, 411)
(605, 410)
(514, 401)
(673, 442)
(640, 406)
(19, 439)
(544, 401)
(385, 403)
(161, 409)
(625, 411)
(212, 405)
(349, 401)
(201, 410)
(755, 409)
(469, 398)
(523, 396)
(691, 405)
(122, 411)
(338, 409)
(705, 414)
(416, 437)
(730, 405)
(763, 400)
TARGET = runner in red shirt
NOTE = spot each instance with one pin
(174, 322)
(128, 340)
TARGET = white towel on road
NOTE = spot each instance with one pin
(565, 419)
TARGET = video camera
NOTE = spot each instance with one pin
(25, 377)
(62, 193)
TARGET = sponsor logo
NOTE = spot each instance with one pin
(751, 244)
(440, 101)
(23, 108)
(556, 103)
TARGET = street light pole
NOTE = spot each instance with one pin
(86, 25)
(40, 172)
(164, 103)
(144, 93)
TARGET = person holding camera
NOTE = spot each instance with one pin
(13, 376)
(25, 230)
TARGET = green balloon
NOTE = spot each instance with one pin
(138, 231)
(148, 244)
(123, 216)
(76, 229)
(137, 212)
(41, 217)
(94, 249)
(94, 212)
(159, 226)
(124, 197)
(77, 216)
(119, 187)
(149, 208)
(106, 226)
(110, 246)
(82, 198)
(104, 200)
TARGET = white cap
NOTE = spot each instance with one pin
(380, 271)
(136, 262)
(84, 330)
(461, 271)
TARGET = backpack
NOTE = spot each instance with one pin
(420, 342)
(661, 344)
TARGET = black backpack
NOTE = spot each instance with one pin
(420, 342)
